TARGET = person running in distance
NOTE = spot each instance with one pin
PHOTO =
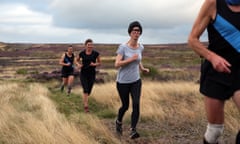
(128, 62)
(90, 59)
(67, 61)
(220, 71)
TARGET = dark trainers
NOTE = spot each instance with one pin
(134, 134)
(118, 127)
(238, 138)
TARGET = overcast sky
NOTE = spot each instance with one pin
(105, 21)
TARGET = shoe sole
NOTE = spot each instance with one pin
(134, 136)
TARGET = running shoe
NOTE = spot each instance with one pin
(118, 127)
(134, 134)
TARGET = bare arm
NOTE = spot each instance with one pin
(201, 23)
(142, 68)
(206, 15)
(97, 63)
(61, 61)
(120, 62)
(77, 60)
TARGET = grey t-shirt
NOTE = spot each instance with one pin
(129, 73)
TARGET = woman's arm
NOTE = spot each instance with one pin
(120, 62)
(61, 61)
(206, 15)
(97, 63)
(77, 60)
(142, 68)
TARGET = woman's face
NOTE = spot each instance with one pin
(135, 33)
(89, 45)
(70, 50)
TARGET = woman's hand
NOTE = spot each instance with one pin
(220, 64)
(146, 70)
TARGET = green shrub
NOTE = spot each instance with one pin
(22, 71)
(152, 73)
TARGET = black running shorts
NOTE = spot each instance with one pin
(219, 85)
(67, 73)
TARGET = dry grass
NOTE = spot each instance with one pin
(174, 102)
(29, 116)
(174, 106)
(156, 99)
(95, 128)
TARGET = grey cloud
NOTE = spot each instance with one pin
(107, 14)
(103, 20)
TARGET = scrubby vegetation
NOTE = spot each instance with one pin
(33, 110)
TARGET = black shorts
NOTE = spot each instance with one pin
(66, 74)
(87, 82)
(219, 85)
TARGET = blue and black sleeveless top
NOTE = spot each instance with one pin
(224, 33)
(70, 60)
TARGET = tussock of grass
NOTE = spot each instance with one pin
(28, 116)
(22, 71)
(95, 128)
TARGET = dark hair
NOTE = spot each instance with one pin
(68, 47)
(88, 40)
(134, 24)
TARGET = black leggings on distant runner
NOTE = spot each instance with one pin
(87, 81)
(135, 90)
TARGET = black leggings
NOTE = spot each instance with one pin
(135, 90)
(87, 81)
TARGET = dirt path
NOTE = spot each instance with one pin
(162, 133)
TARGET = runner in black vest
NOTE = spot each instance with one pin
(67, 61)
(220, 71)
